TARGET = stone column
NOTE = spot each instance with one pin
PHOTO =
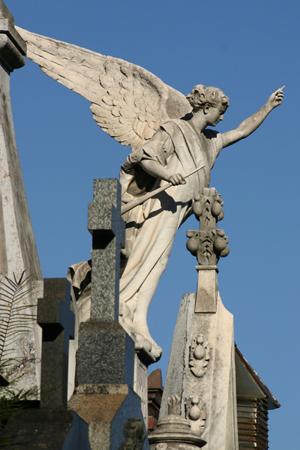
(201, 369)
(17, 245)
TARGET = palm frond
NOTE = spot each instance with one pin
(13, 316)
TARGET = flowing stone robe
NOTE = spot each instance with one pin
(151, 227)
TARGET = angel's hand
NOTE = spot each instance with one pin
(177, 179)
(276, 98)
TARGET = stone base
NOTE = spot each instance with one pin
(105, 354)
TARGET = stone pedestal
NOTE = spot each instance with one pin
(17, 244)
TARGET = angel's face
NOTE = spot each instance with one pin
(214, 114)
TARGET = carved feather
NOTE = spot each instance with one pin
(128, 102)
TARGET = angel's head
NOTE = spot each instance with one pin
(210, 102)
(202, 96)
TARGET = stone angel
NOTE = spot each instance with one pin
(168, 136)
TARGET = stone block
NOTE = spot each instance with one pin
(207, 290)
(105, 354)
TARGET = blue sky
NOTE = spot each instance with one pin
(248, 49)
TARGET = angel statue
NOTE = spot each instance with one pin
(168, 137)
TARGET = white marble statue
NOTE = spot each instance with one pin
(168, 137)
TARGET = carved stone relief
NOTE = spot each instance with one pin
(208, 243)
(199, 356)
(196, 413)
(134, 434)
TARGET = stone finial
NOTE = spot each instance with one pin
(208, 243)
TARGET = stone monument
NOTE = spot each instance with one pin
(18, 249)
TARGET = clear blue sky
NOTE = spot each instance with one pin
(248, 49)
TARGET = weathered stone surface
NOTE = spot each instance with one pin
(179, 358)
(207, 289)
(140, 384)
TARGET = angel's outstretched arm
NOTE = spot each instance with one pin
(252, 123)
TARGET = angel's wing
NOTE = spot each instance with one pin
(128, 102)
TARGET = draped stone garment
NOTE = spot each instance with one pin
(151, 227)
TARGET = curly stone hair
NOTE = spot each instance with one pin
(201, 96)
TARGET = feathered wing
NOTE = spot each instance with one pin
(128, 102)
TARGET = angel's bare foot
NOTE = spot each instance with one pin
(142, 333)
(142, 336)
(148, 342)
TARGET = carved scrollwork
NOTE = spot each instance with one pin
(199, 356)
